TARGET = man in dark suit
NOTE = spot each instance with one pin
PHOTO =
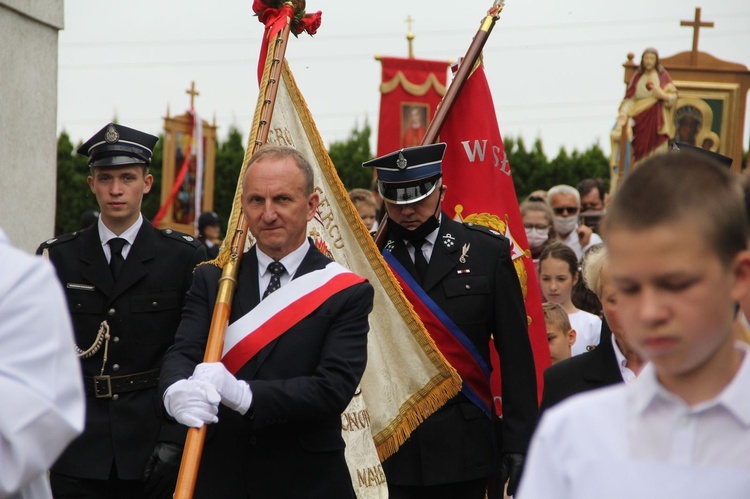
(125, 282)
(465, 288)
(278, 430)
(581, 373)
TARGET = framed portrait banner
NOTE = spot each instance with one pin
(179, 188)
(706, 115)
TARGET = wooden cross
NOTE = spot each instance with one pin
(192, 92)
(696, 24)
(410, 36)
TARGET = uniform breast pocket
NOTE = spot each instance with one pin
(84, 302)
(467, 298)
(155, 316)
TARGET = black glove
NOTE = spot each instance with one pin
(161, 470)
(511, 467)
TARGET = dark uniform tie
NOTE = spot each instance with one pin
(419, 260)
(116, 260)
(276, 269)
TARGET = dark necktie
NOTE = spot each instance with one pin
(419, 260)
(276, 269)
(116, 261)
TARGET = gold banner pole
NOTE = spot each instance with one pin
(191, 456)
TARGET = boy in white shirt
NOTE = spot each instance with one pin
(677, 236)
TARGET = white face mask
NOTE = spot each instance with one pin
(565, 225)
(536, 237)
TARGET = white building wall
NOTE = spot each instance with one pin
(28, 115)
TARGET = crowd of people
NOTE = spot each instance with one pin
(644, 304)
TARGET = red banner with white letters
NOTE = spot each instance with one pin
(410, 91)
(480, 190)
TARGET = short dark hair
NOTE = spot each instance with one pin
(586, 185)
(278, 152)
(670, 187)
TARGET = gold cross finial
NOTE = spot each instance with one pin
(192, 92)
(696, 24)
(410, 36)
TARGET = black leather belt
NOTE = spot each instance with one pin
(103, 387)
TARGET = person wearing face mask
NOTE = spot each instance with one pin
(538, 221)
(565, 202)
(461, 281)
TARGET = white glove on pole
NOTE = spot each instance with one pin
(235, 394)
(192, 403)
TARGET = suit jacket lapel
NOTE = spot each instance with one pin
(444, 254)
(247, 293)
(96, 270)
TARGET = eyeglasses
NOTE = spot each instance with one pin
(590, 207)
(560, 210)
(536, 226)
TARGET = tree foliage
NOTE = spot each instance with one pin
(229, 158)
(73, 194)
(348, 156)
(532, 170)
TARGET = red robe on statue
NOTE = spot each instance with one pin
(651, 128)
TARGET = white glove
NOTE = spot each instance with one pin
(235, 394)
(192, 403)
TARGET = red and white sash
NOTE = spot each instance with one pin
(280, 311)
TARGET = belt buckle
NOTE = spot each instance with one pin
(102, 387)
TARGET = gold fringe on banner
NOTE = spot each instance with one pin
(412, 88)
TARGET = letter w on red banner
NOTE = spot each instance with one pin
(410, 91)
(480, 190)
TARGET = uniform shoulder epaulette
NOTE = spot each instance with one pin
(181, 236)
(58, 240)
(483, 228)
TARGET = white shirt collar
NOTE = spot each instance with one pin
(431, 237)
(647, 390)
(628, 374)
(129, 235)
(291, 262)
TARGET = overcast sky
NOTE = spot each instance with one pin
(554, 67)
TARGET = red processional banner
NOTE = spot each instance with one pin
(480, 190)
(410, 91)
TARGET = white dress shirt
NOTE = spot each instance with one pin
(641, 441)
(628, 374)
(41, 389)
(129, 235)
(291, 263)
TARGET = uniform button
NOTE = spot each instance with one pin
(468, 286)
(116, 339)
(115, 396)
(116, 367)
(79, 306)
(111, 311)
(154, 304)
(253, 440)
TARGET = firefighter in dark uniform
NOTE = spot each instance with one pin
(125, 282)
(465, 273)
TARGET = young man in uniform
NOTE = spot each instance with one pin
(125, 282)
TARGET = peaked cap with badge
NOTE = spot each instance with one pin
(410, 174)
(116, 145)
